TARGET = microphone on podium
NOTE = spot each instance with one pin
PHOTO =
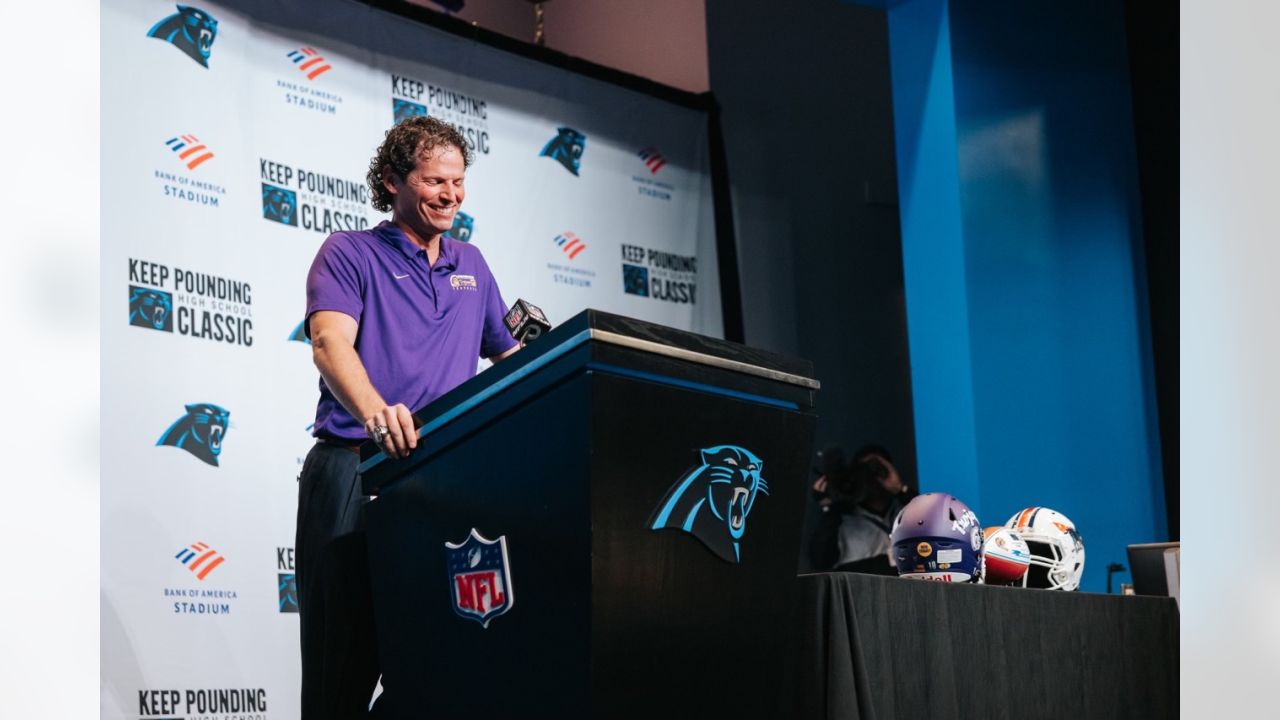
(526, 322)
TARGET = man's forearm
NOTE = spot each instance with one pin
(340, 366)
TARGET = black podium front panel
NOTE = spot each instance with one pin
(608, 616)
(523, 478)
(678, 630)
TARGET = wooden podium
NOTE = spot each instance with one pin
(644, 490)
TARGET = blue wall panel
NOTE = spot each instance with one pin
(1048, 254)
(933, 251)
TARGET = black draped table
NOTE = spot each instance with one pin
(880, 647)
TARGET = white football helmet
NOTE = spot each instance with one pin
(1057, 550)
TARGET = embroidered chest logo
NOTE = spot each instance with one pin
(462, 282)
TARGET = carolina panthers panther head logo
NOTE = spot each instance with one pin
(191, 30)
(279, 204)
(199, 432)
(463, 224)
(299, 333)
(566, 148)
(712, 502)
(402, 109)
(635, 279)
(150, 308)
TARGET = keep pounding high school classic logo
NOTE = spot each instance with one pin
(712, 501)
(199, 432)
(192, 303)
(566, 148)
(298, 197)
(468, 114)
(480, 577)
(191, 30)
(659, 274)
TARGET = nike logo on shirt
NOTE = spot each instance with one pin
(399, 277)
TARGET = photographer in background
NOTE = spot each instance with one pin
(859, 501)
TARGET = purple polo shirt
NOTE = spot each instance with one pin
(422, 329)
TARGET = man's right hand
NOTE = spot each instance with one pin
(398, 438)
(333, 337)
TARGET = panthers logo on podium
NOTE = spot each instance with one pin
(566, 148)
(199, 432)
(712, 501)
(191, 30)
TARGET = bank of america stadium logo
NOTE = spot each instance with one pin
(280, 205)
(191, 30)
(480, 577)
(566, 148)
(652, 159)
(199, 432)
(570, 244)
(151, 309)
(199, 559)
(463, 226)
(309, 62)
(402, 109)
(190, 150)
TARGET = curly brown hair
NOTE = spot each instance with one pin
(410, 140)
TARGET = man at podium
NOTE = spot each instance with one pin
(397, 316)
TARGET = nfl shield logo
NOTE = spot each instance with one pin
(480, 577)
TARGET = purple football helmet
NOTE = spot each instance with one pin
(937, 537)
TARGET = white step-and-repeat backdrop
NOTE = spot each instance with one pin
(235, 137)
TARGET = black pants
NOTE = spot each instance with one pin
(335, 607)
